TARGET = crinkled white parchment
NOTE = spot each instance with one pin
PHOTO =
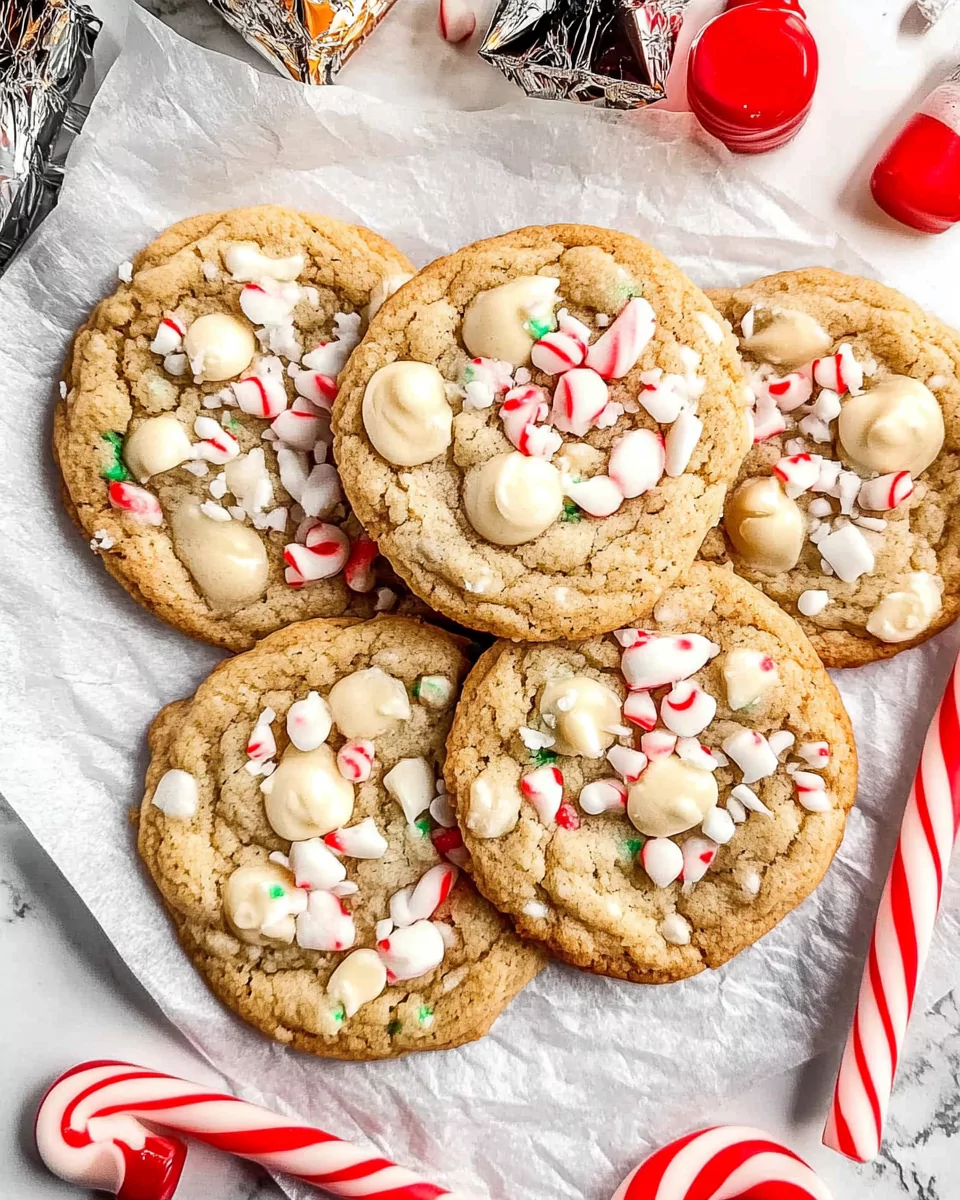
(581, 1073)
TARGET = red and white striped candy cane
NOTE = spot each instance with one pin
(89, 1132)
(901, 939)
(727, 1162)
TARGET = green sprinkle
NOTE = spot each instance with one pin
(469, 374)
(543, 758)
(416, 688)
(571, 513)
(339, 1014)
(235, 424)
(277, 891)
(394, 1028)
(538, 327)
(633, 846)
(425, 1014)
(423, 824)
(114, 471)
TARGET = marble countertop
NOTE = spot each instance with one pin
(65, 995)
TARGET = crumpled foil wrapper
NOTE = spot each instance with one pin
(45, 46)
(933, 10)
(616, 53)
(309, 40)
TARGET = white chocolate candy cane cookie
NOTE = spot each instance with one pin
(650, 802)
(306, 848)
(846, 509)
(539, 430)
(194, 432)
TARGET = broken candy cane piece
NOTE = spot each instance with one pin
(324, 555)
(688, 709)
(412, 784)
(781, 740)
(811, 791)
(262, 394)
(752, 753)
(662, 660)
(309, 722)
(139, 504)
(522, 409)
(320, 492)
(718, 826)
(358, 572)
(616, 352)
(355, 760)
(363, 840)
(449, 843)
(578, 400)
(814, 754)
(412, 952)
(262, 744)
(698, 855)
(787, 393)
(640, 708)
(768, 420)
(840, 372)
(629, 764)
(658, 744)
(269, 302)
(889, 491)
(455, 21)
(749, 799)
(318, 388)
(168, 338)
(662, 860)
(300, 426)
(603, 795)
(564, 348)
(799, 473)
(218, 445)
(431, 890)
(544, 789)
(848, 552)
(314, 867)
(599, 496)
(690, 751)
(681, 441)
(326, 924)
(637, 462)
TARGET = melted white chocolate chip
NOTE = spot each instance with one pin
(581, 712)
(227, 560)
(406, 413)
(494, 807)
(896, 426)
(306, 796)
(905, 614)
(787, 339)
(368, 703)
(261, 902)
(670, 797)
(765, 526)
(513, 498)
(495, 322)
(360, 978)
(156, 445)
(219, 347)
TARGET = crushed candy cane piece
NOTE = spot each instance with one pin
(557, 352)
(718, 826)
(262, 744)
(662, 860)
(139, 504)
(411, 952)
(247, 478)
(325, 554)
(687, 710)
(840, 372)
(815, 754)
(749, 799)
(363, 840)
(442, 812)
(640, 708)
(603, 795)
(177, 795)
(484, 379)
(358, 572)
(355, 760)
(886, 492)
(578, 400)
(318, 388)
(681, 441)
(662, 396)
(269, 302)
(567, 817)
(599, 496)
(690, 751)
(799, 473)
(314, 867)
(698, 855)
(412, 784)
(788, 392)
(217, 445)
(533, 739)
(544, 789)
(628, 763)
(747, 674)
(618, 350)
(658, 744)
(637, 462)
(125, 272)
(662, 660)
(168, 338)
(449, 843)
(736, 810)
(811, 791)
(848, 552)
(247, 263)
(309, 722)
(781, 740)
(431, 890)
(752, 753)
(300, 426)
(329, 358)
(812, 602)
(326, 924)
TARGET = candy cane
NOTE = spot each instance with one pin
(88, 1133)
(901, 939)
(727, 1162)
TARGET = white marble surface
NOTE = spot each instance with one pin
(64, 993)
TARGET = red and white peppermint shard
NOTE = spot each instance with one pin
(688, 709)
(325, 554)
(449, 843)
(262, 394)
(262, 744)
(637, 462)
(432, 889)
(217, 445)
(139, 504)
(640, 708)
(811, 791)
(355, 760)
(363, 840)
(886, 492)
(723, 1163)
(662, 660)
(901, 939)
(840, 372)
(564, 348)
(411, 952)
(629, 764)
(544, 789)
(455, 21)
(787, 393)
(89, 1131)
(578, 400)
(315, 386)
(603, 795)
(358, 573)
(168, 338)
(599, 496)
(698, 856)
(768, 420)
(326, 924)
(269, 302)
(799, 472)
(300, 426)
(522, 409)
(618, 350)
(658, 743)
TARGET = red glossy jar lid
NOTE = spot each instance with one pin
(752, 74)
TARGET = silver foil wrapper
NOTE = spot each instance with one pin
(309, 40)
(933, 10)
(616, 53)
(45, 46)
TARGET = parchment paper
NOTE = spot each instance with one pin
(581, 1073)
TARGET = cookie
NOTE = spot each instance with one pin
(847, 509)
(647, 804)
(296, 825)
(193, 431)
(539, 429)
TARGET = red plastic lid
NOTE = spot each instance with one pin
(753, 69)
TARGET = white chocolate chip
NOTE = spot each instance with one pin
(177, 795)
(360, 978)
